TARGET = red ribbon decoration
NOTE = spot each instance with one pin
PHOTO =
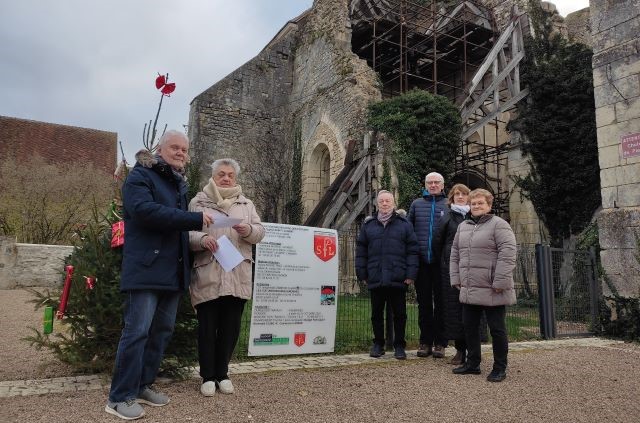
(65, 292)
(90, 281)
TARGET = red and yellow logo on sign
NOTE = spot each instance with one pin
(324, 246)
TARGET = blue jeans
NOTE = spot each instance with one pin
(149, 319)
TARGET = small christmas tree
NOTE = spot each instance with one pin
(93, 317)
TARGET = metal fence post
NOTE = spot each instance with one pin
(594, 291)
(545, 291)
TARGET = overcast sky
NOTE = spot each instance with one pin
(93, 63)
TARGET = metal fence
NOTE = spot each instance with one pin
(570, 293)
(556, 290)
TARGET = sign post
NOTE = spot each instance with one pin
(295, 291)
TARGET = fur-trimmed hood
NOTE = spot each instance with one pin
(150, 160)
(146, 158)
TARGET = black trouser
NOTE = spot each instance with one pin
(496, 316)
(396, 299)
(218, 331)
(429, 297)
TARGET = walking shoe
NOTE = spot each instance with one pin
(497, 375)
(399, 353)
(151, 396)
(225, 386)
(466, 369)
(376, 351)
(126, 410)
(208, 389)
(458, 359)
(424, 350)
(438, 351)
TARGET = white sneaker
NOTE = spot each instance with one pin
(208, 389)
(225, 386)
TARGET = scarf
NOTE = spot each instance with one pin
(463, 210)
(179, 173)
(384, 218)
(222, 196)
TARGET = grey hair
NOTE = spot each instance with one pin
(170, 134)
(225, 162)
(384, 191)
(434, 174)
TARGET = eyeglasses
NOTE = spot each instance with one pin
(434, 182)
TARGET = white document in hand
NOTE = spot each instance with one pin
(227, 254)
(222, 221)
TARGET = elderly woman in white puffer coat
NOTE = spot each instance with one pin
(483, 256)
(219, 296)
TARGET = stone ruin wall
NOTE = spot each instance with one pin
(247, 105)
(616, 81)
(331, 91)
(310, 79)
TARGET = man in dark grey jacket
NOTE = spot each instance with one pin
(425, 215)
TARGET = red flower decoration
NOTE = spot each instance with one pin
(168, 88)
(164, 87)
(160, 81)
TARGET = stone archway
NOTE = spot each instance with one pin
(471, 179)
(323, 161)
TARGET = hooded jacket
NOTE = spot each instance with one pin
(425, 214)
(483, 256)
(156, 246)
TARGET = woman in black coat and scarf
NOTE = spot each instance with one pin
(459, 204)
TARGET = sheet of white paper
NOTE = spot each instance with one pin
(227, 254)
(222, 221)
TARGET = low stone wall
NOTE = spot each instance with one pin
(24, 265)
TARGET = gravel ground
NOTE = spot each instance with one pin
(585, 384)
(19, 359)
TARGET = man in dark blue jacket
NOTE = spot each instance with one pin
(387, 261)
(425, 214)
(155, 271)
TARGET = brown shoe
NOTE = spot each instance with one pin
(458, 359)
(438, 351)
(424, 351)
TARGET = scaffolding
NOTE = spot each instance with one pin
(454, 49)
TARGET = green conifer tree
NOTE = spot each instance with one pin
(92, 324)
(558, 121)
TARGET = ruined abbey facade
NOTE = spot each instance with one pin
(316, 77)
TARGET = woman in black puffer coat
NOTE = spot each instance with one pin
(453, 328)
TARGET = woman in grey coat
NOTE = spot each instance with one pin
(483, 256)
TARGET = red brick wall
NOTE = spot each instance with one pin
(21, 139)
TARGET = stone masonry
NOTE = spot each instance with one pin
(23, 265)
(241, 113)
(331, 92)
(308, 80)
(616, 79)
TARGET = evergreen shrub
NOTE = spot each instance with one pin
(425, 132)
